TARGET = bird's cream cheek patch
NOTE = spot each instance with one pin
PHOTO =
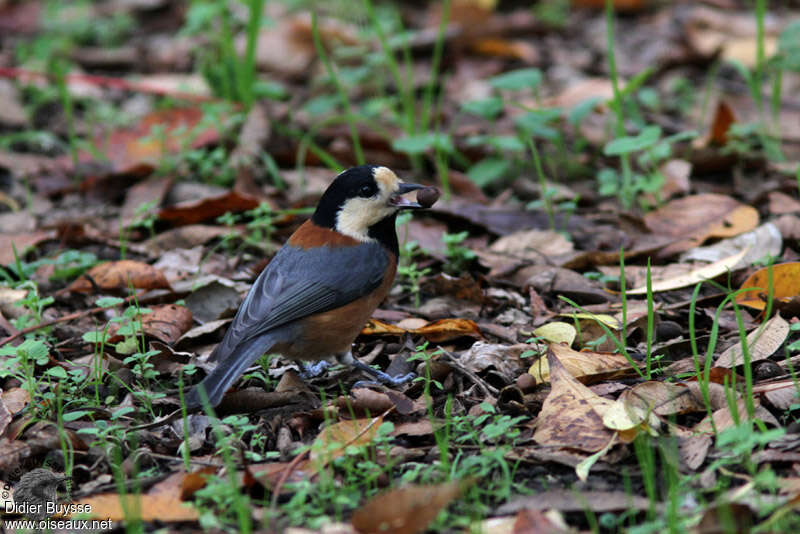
(358, 214)
(386, 180)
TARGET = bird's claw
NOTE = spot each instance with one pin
(313, 370)
(380, 376)
(386, 380)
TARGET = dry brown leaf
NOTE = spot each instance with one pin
(781, 203)
(707, 272)
(588, 366)
(139, 150)
(148, 191)
(119, 275)
(724, 118)
(781, 394)
(436, 332)
(571, 500)
(516, 49)
(536, 522)
(723, 417)
(22, 242)
(580, 91)
(196, 480)
(333, 440)
(761, 343)
(15, 399)
(167, 322)
(785, 285)
(765, 240)
(406, 510)
(695, 218)
(183, 237)
(5, 416)
(645, 401)
(693, 449)
(505, 359)
(572, 415)
(726, 517)
(156, 507)
(198, 211)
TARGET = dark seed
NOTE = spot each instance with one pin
(427, 197)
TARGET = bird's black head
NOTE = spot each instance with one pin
(362, 202)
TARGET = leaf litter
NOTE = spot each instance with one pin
(539, 365)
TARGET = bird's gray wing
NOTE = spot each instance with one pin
(300, 282)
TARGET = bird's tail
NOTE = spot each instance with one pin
(227, 371)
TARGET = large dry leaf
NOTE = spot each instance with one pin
(557, 332)
(22, 242)
(165, 507)
(15, 399)
(120, 275)
(140, 149)
(198, 211)
(763, 241)
(572, 415)
(706, 272)
(693, 219)
(781, 394)
(524, 247)
(723, 417)
(761, 343)
(435, 332)
(587, 366)
(506, 359)
(785, 285)
(167, 322)
(8, 302)
(569, 500)
(407, 510)
(333, 440)
(151, 192)
(646, 400)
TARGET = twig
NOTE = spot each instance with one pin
(62, 319)
(104, 81)
(488, 390)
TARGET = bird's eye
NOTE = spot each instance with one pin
(366, 191)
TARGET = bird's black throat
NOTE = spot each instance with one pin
(385, 233)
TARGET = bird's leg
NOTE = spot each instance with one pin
(313, 370)
(394, 381)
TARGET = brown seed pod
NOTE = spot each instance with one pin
(427, 196)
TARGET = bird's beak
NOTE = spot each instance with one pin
(398, 201)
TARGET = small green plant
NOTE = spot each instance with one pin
(652, 150)
(458, 256)
(21, 362)
(145, 217)
(231, 75)
(409, 272)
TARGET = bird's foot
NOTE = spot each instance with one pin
(313, 370)
(380, 376)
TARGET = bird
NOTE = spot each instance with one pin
(316, 294)
(35, 490)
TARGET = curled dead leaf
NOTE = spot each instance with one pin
(586, 366)
(785, 285)
(333, 440)
(166, 507)
(120, 275)
(435, 332)
(572, 415)
(406, 510)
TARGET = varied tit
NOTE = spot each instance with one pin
(317, 293)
